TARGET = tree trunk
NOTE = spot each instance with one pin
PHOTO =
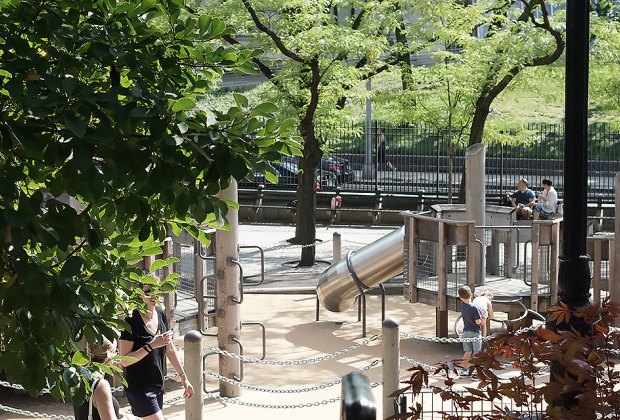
(404, 58)
(305, 229)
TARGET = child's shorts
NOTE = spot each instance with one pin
(473, 346)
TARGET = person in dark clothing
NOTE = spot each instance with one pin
(102, 403)
(523, 199)
(382, 150)
(147, 344)
(471, 321)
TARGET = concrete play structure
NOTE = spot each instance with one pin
(475, 244)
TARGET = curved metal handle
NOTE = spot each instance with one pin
(233, 261)
(479, 242)
(262, 264)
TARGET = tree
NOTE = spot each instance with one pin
(314, 58)
(98, 102)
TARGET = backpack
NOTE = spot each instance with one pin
(505, 200)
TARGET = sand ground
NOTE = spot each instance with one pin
(293, 333)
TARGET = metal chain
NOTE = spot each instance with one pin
(309, 361)
(355, 242)
(285, 391)
(293, 246)
(416, 363)
(445, 340)
(35, 414)
(277, 406)
(47, 391)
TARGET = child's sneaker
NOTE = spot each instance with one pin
(463, 373)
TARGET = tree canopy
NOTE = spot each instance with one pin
(98, 103)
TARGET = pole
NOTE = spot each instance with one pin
(367, 169)
(574, 271)
(337, 248)
(475, 201)
(391, 364)
(228, 317)
(192, 357)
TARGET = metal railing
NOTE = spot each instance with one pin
(421, 158)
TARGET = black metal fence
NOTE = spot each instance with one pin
(417, 159)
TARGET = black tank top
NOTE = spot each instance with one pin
(80, 412)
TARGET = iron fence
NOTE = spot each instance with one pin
(417, 159)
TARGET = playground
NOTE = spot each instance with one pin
(294, 380)
(264, 338)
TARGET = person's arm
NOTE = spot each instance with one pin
(490, 308)
(125, 346)
(171, 352)
(513, 200)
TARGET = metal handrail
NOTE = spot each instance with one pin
(263, 333)
(233, 261)
(479, 242)
(236, 340)
(262, 264)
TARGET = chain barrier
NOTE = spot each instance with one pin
(286, 391)
(295, 246)
(297, 362)
(47, 391)
(277, 406)
(414, 362)
(35, 414)
(445, 340)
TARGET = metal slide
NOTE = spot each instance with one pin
(361, 270)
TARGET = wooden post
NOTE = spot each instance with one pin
(553, 269)
(596, 279)
(535, 266)
(442, 283)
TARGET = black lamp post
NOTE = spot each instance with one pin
(574, 271)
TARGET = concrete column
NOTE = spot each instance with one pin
(391, 364)
(614, 280)
(475, 199)
(192, 357)
(337, 248)
(228, 294)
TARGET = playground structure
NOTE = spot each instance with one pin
(473, 244)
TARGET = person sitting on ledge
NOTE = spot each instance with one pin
(547, 201)
(523, 199)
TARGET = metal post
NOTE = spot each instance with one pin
(337, 248)
(367, 169)
(192, 357)
(574, 273)
(391, 364)
(574, 270)
(228, 316)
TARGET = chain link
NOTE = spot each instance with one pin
(445, 340)
(309, 361)
(285, 391)
(411, 361)
(47, 391)
(35, 414)
(294, 246)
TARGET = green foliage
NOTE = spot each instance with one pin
(98, 103)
